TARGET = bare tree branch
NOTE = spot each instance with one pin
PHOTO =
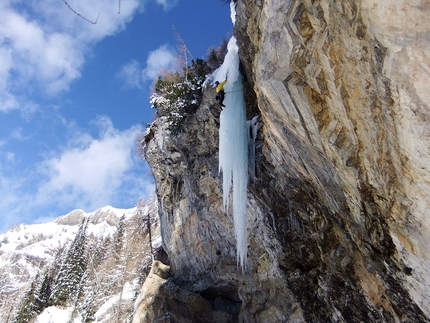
(79, 15)
(183, 49)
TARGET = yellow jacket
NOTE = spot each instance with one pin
(220, 86)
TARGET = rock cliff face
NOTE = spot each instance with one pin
(339, 213)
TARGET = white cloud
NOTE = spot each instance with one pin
(17, 134)
(52, 58)
(6, 64)
(131, 75)
(43, 43)
(10, 156)
(8, 101)
(167, 4)
(89, 172)
(158, 60)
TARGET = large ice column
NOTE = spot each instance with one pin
(233, 147)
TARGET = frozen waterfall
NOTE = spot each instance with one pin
(233, 146)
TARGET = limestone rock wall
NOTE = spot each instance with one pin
(198, 235)
(348, 81)
(338, 215)
(162, 301)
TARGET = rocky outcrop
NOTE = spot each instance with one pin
(73, 218)
(161, 300)
(198, 235)
(338, 216)
(107, 214)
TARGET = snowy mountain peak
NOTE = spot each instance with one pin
(107, 213)
(32, 253)
(73, 218)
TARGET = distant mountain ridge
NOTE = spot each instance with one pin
(116, 252)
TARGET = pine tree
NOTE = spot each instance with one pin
(119, 236)
(28, 307)
(87, 308)
(98, 250)
(44, 292)
(68, 282)
(117, 259)
(120, 256)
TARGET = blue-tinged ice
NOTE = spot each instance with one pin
(233, 147)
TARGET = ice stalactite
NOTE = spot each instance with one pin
(233, 147)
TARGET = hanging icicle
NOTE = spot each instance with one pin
(233, 147)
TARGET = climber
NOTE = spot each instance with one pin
(220, 94)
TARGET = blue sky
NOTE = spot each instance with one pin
(74, 96)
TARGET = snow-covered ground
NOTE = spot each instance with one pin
(54, 314)
(128, 293)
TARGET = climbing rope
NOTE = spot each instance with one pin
(234, 91)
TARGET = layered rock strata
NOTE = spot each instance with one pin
(338, 216)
